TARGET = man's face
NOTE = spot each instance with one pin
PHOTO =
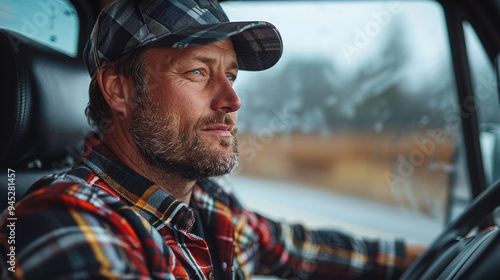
(185, 120)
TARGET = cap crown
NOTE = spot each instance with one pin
(126, 25)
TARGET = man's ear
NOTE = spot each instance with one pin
(116, 90)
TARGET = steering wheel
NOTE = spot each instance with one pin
(483, 204)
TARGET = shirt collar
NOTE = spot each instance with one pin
(144, 196)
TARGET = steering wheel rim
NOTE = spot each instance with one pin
(483, 204)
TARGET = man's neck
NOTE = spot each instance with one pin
(170, 182)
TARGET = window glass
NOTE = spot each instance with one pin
(356, 124)
(51, 22)
(485, 87)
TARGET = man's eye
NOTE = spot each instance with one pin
(197, 74)
(231, 78)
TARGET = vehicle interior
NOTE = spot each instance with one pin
(342, 121)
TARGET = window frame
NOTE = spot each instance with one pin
(455, 17)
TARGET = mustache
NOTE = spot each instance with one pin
(216, 120)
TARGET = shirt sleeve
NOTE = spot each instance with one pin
(294, 252)
(71, 237)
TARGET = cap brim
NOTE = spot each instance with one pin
(258, 44)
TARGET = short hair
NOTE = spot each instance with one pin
(130, 65)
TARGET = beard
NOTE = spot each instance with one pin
(164, 144)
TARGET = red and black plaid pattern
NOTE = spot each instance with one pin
(126, 25)
(101, 220)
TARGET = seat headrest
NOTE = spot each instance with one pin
(44, 95)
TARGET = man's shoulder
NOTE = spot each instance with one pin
(68, 189)
(69, 177)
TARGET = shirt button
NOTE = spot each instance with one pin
(211, 276)
(224, 266)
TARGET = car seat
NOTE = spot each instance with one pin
(44, 95)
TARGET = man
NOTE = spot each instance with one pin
(142, 205)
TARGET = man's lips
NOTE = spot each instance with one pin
(220, 129)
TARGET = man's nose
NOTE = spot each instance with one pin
(225, 100)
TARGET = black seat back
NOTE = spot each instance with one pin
(44, 94)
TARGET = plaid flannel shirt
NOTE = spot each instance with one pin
(101, 220)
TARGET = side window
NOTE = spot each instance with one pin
(360, 108)
(51, 22)
(485, 87)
